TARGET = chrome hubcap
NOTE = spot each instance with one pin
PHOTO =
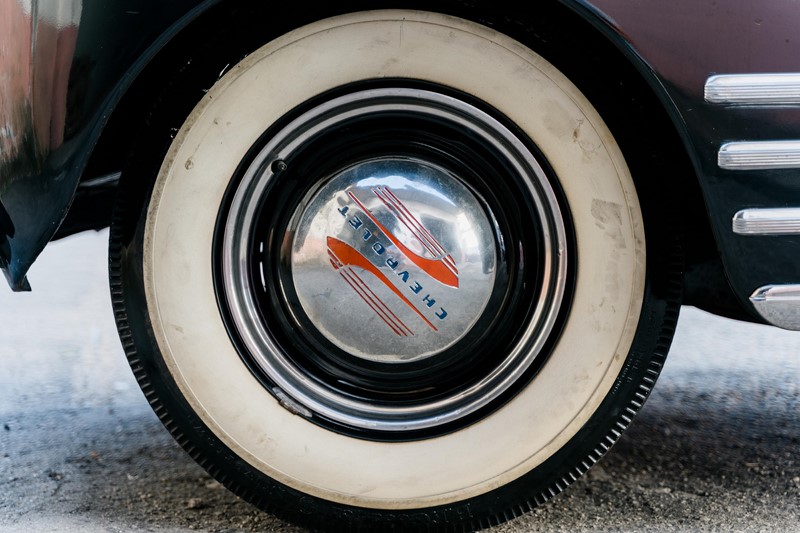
(407, 263)
(392, 260)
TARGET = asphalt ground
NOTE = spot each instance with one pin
(716, 447)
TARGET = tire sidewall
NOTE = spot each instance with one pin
(196, 426)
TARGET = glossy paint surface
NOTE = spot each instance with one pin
(65, 63)
(681, 43)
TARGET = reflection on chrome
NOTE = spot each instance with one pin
(407, 280)
(774, 221)
(754, 89)
(759, 155)
(779, 305)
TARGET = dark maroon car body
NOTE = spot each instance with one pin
(82, 87)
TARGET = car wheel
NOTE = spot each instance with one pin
(390, 273)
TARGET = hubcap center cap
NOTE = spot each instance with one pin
(393, 259)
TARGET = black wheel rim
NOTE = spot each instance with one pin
(362, 129)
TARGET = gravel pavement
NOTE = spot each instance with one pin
(716, 448)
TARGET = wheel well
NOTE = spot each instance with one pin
(661, 167)
(639, 121)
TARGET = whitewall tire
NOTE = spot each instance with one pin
(263, 383)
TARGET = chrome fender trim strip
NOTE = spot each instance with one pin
(774, 221)
(779, 305)
(759, 155)
(754, 89)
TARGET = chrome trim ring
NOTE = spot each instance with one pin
(308, 394)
